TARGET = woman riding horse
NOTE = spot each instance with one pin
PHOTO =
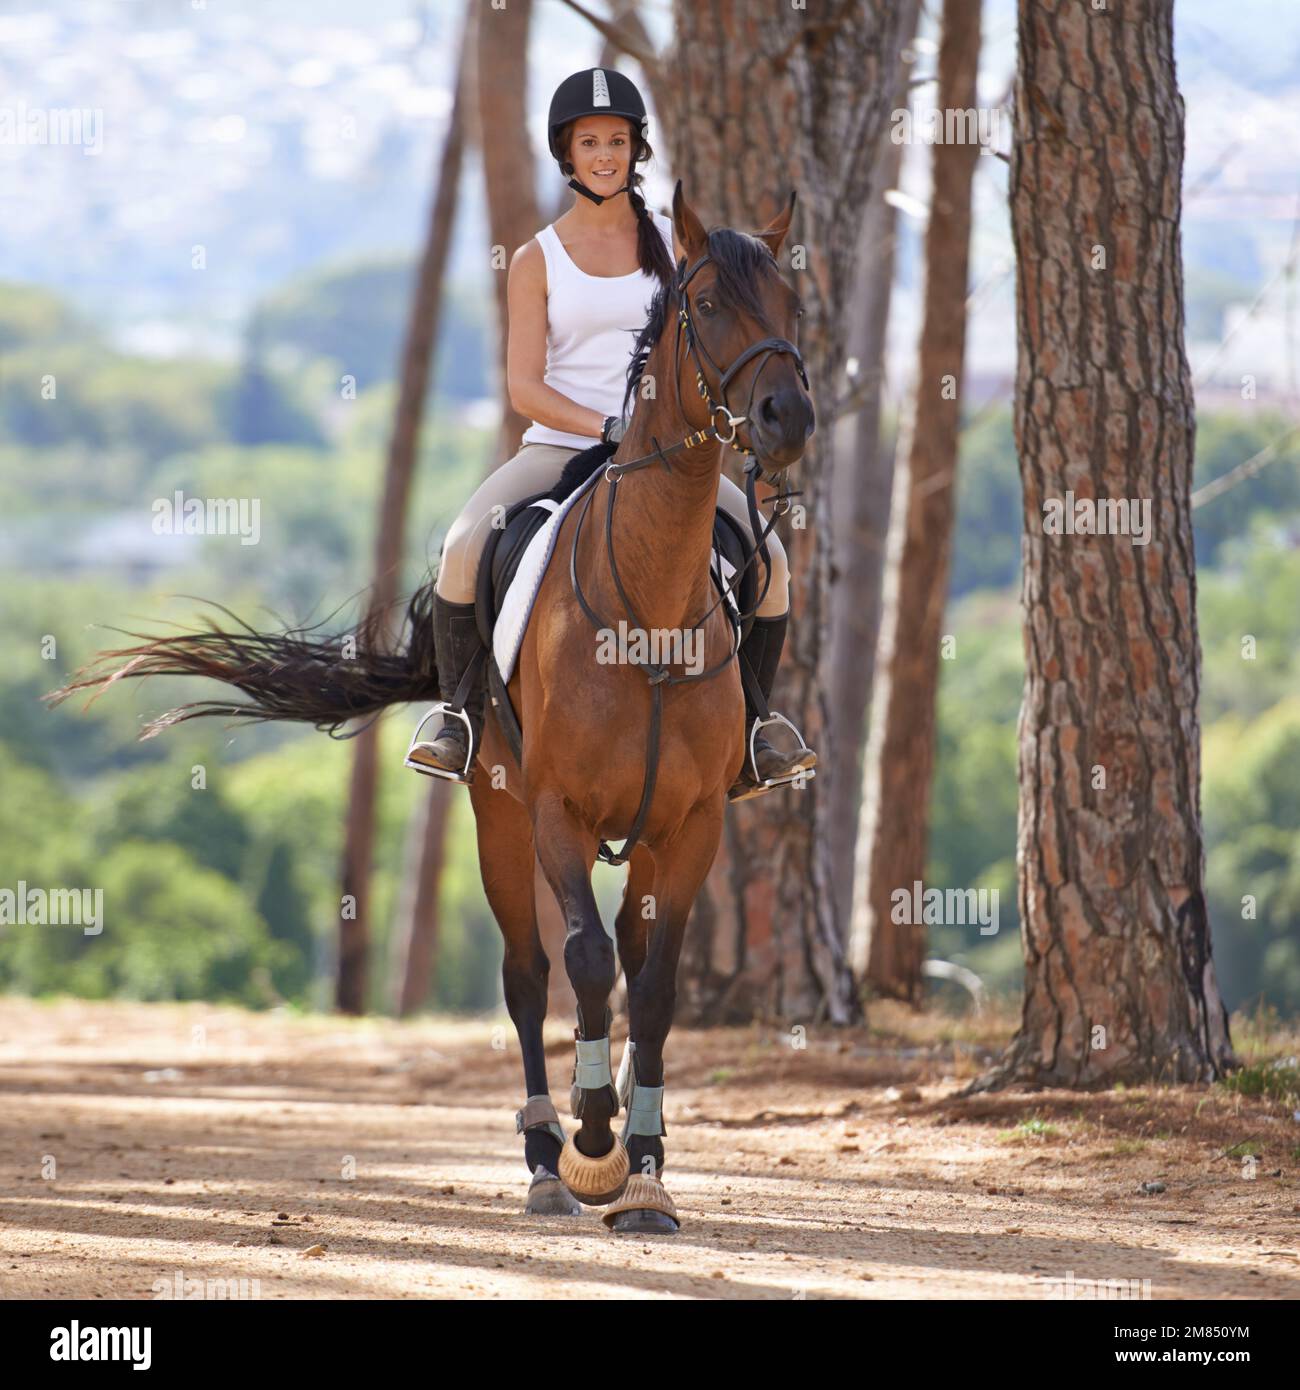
(575, 310)
(630, 747)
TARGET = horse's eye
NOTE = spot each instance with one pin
(705, 306)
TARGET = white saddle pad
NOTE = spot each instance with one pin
(508, 635)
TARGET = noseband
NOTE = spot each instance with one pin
(659, 676)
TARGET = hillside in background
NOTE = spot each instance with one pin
(232, 890)
(217, 296)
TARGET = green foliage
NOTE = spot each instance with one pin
(146, 408)
(70, 742)
(108, 402)
(1251, 798)
(31, 316)
(182, 802)
(352, 314)
(974, 793)
(986, 543)
(1207, 294)
(1223, 441)
(986, 549)
(231, 891)
(1256, 595)
(355, 315)
(1252, 826)
(257, 849)
(315, 513)
(467, 970)
(35, 821)
(298, 795)
(171, 930)
(1276, 1080)
(259, 408)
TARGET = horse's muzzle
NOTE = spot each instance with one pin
(782, 424)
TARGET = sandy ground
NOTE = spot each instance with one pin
(142, 1145)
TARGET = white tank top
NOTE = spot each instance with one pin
(592, 322)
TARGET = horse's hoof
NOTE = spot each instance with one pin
(548, 1196)
(643, 1223)
(594, 1181)
(644, 1209)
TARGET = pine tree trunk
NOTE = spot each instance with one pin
(351, 985)
(766, 98)
(509, 171)
(499, 71)
(900, 753)
(501, 132)
(864, 477)
(1119, 979)
(418, 919)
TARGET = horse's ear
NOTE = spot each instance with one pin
(688, 230)
(774, 233)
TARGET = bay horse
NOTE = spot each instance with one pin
(610, 749)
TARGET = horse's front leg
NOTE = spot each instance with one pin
(594, 1162)
(505, 851)
(681, 866)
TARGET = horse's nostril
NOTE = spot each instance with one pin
(768, 411)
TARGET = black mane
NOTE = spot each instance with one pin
(579, 468)
(739, 260)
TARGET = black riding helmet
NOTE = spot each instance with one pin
(595, 92)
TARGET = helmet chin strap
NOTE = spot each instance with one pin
(596, 198)
(579, 187)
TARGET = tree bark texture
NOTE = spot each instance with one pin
(900, 754)
(1119, 977)
(765, 99)
(864, 477)
(351, 985)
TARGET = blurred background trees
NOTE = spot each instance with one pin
(232, 383)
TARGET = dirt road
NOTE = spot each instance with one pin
(141, 1146)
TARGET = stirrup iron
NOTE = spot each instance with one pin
(443, 707)
(806, 773)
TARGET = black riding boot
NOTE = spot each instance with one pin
(456, 641)
(762, 649)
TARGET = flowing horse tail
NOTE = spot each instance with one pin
(296, 674)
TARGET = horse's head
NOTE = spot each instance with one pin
(738, 367)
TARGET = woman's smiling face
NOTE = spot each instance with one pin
(600, 150)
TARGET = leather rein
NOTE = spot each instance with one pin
(659, 675)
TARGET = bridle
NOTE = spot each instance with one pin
(659, 675)
(767, 347)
